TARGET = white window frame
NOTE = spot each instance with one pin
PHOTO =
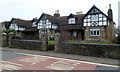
(93, 32)
(71, 20)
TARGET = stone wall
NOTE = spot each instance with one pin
(26, 44)
(87, 49)
(102, 36)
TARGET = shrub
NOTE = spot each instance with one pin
(118, 39)
(8, 31)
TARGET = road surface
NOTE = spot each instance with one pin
(24, 61)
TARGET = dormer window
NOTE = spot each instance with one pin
(34, 24)
(71, 20)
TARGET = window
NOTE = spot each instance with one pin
(94, 17)
(44, 31)
(94, 32)
(74, 33)
(71, 21)
(34, 24)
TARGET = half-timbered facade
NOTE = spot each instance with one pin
(92, 26)
(98, 26)
(47, 24)
(19, 25)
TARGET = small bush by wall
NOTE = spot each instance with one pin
(50, 46)
(118, 39)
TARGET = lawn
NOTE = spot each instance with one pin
(99, 42)
(51, 42)
(89, 42)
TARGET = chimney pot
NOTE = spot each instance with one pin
(57, 12)
(78, 13)
(109, 6)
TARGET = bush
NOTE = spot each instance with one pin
(118, 39)
(8, 31)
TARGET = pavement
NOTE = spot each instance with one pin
(66, 56)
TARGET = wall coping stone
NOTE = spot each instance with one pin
(90, 43)
(28, 40)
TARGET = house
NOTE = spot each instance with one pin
(47, 24)
(71, 27)
(92, 26)
(5, 24)
(19, 25)
(27, 29)
(31, 32)
(98, 26)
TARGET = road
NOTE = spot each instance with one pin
(24, 61)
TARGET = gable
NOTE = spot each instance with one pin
(51, 18)
(71, 16)
(95, 17)
(13, 25)
(19, 24)
(94, 10)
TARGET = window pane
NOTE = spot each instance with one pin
(71, 20)
(94, 17)
(100, 19)
(100, 23)
(74, 33)
(100, 15)
(104, 23)
(91, 32)
(94, 32)
(97, 32)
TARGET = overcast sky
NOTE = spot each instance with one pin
(28, 9)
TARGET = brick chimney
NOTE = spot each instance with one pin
(79, 13)
(57, 13)
(110, 13)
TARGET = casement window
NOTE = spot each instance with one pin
(44, 31)
(94, 32)
(71, 20)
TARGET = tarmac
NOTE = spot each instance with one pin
(67, 56)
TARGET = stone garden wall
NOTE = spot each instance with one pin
(87, 49)
(26, 44)
(29, 44)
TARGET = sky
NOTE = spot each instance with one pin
(29, 9)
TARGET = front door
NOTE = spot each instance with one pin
(74, 35)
